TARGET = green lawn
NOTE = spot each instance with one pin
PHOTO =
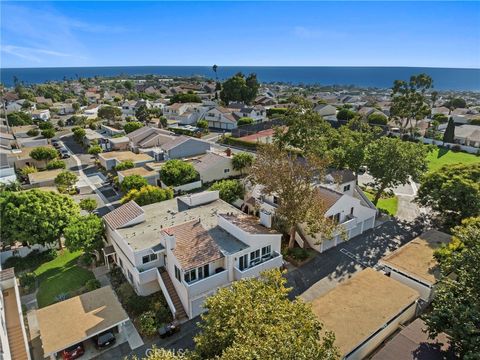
(62, 275)
(390, 204)
(440, 157)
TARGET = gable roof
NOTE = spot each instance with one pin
(329, 197)
(175, 142)
(123, 215)
(194, 246)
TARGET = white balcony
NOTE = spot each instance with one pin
(253, 271)
(349, 222)
(143, 277)
(206, 284)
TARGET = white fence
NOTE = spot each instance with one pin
(186, 187)
(24, 251)
(469, 149)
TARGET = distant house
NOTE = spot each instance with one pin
(363, 311)
(63, 108)
(414, 265)
(43, 178)
(221, 118)
(152, 177)
(111, 159)
(257, 113)
(128, 107)
(214, 166)
(43, 115)
(21, 158)
(468, 135)
(149, 137)
(184, 147)
(184, 113)
(43, 101)
(325, 110)
(441, 110)
(91, 111)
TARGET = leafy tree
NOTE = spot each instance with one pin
(125, 165)
(230, 190)
(239, 88)
(433, 98)
(66, 179)
(109, 113)
(456, 305)
(76, 107)
(244, 121)
(147, 323)
(56, 164)
(61, 123)
(48, 133)
(185, 98)
(162, 122)
(84, 233)
(242, 161)
(306, 130)
(215, 68)
(95, 150)
(202, 124)
(128, 84)
(26, 105)
(449, 134)
(409, 102)
(290, 179)
(133, 182)
(10, 186)
(345, 114)
(88, 204)
(453, 191)
(43, 153)
(177, 172)
(410, 162)
(441, 118)
(456, 103)
(79, 134)
(259, 308)
(132, 126)
(142, 113)
(377, 119)
(148, 195)
(45, 125)
(19, 119)
(34, 216)
(33, 132)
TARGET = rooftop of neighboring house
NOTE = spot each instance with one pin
(22, 129)
(141, 171)
(166, 214)
(92, 134)
(340, 176)
(24, 152)
(416, 257)
(471, 132)
(368, 300)
(208, 160)
(41, 176)
(125, 155)
(329, 197)
(247, 223)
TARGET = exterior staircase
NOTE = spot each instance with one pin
(180, 311)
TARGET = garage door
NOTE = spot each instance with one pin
(356, 230)
(368, 224)
(327, 244)
(197, 306)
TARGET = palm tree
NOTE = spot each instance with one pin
(214, 68)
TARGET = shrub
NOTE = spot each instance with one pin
(185, 98)
(475, 121)
(177, 172)
(298, 254)
(95, 150)
(125, 165)
(116, 277)
(456, 148)
(27, 281)
(345, 114)
(88, 204)
(136, 305)
(244, 121)
(125, 291)
(31, 261)
(377, 119)
(28, 170)
(148, 195)
(132, 126)
(133, 182)
(276, 112)
(79, 134)
(92, 284)
(180, 131)
(33, 132)
(45, 125)
(61, 123)
(202, 124)
(19, 118)
(229, 190)
(56, 164)
(240, 143)
(147, 323)
(87, 259)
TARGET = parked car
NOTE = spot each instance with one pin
(169, 329)
(104, 340)
(64, 153)
(57, 145)
(73, 352)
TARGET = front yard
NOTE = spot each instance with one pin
(60, 278)
(388, 204)
(441, 156)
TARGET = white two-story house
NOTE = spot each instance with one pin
(188, 248)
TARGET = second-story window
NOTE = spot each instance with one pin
(346, 188)
(148, 258)
(266, 250)
(178, 274)
(254, 255)
(191, 275)
(203, 271)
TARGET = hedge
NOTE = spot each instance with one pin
(241, 143)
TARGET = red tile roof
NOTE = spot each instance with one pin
(123, 215)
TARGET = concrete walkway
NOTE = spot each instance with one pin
(100, 273)
(133, 337)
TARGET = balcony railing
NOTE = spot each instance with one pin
(275, 261)
(145, 276)
(206, 284)
(349, 222)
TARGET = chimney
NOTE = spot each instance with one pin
(170, 240)
(228, 152)
(266, 218)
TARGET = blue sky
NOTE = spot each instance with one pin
(436, 34)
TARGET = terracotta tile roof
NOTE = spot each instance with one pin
(123, 215)
(7, 274)
(194, 246)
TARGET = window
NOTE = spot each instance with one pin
(276, 200)
(351, 211)
(254, 255)
(243, 262)
(130, 277)
(148, 258)
(266, 250)
(203, 271)
(226, 171)
(178, 274)
(346, 188)
(191, 275)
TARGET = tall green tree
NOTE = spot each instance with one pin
(242, 161)
(290, 179)
(178, 172)
(148, 194)
(88, 204)
(84, 233)
(453, 191)
(142, 114)
(215, 68)
(230, 190)
(456, 305)
(109, 113)
(254, 319)
(133, 182)
(241, 89)
(449, 134)
(35, 216)
(409, 103)
(43, 153)
(132, 126)
(393, 162)
(66, 180)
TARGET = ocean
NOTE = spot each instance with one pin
(378, 77)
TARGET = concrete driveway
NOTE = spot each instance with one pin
(328, 269)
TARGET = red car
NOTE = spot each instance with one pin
(73, 352)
